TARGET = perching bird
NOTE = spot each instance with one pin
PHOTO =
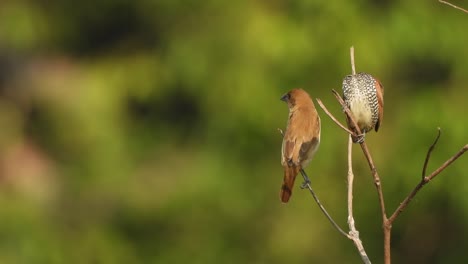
(363, 95)
(301, 139)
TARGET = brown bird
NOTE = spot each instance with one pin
(301, 140)
(363, 95)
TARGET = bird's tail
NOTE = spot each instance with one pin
(290, 174)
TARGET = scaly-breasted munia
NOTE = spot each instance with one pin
(301, 139)
(363, 95)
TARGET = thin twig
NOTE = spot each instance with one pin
(354, 233)
(454, 6)
(333, 118)
(307, 185)
(351, 54)
(423, 182)
(428, 155)
(447, 163)
(350, 186)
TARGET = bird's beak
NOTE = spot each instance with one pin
(284, 98)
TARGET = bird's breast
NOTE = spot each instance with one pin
(362, 113)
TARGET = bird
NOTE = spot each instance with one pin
(363, 95)
(301, 139)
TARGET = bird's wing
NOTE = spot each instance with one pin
(288, 148)
(380, 94)
(307, 149)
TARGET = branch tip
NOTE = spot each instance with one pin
(324, 108)
(351, 54)
(429, 151)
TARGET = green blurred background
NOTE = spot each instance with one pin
(145, 131)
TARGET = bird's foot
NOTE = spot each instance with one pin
(343, 109)
(306, 182)
(359, 138)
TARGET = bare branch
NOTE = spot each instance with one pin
(350, 185)
(454, 6)
(353, 232)
(332, 117)
(423, 182)
(375, 175)
(428, 155)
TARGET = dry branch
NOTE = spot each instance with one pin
(423, 182)
(353, 232)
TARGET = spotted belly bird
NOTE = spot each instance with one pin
(301, 139)
(363, 94)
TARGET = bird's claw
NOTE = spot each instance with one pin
(359, 138)
(305, 184)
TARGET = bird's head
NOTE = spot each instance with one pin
(294, 97)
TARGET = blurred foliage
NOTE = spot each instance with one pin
(145, 131)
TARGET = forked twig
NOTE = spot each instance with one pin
(423, 182)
